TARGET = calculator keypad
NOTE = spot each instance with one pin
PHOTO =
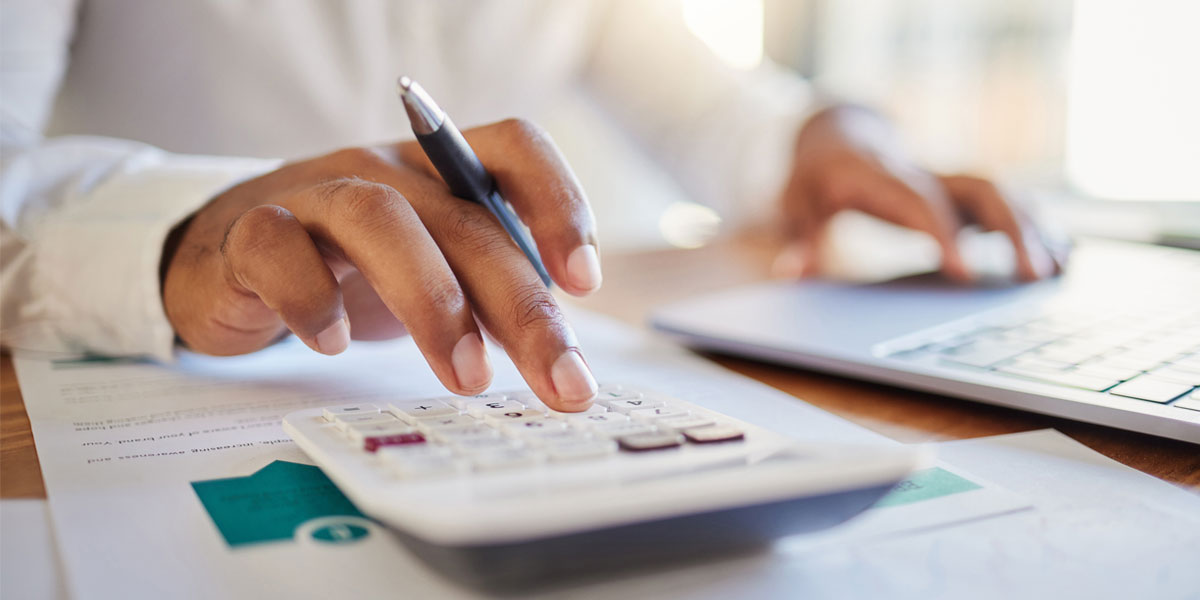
(514, 430)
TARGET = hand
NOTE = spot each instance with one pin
(370, 243)
(848, 158)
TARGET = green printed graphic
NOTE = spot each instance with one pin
(269, 504)
(98, 361)
(926, 485)
(342, 532)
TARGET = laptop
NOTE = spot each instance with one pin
(1114, 341)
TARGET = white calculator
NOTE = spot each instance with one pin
(497, 488)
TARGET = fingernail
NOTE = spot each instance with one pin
(572, 379)
(470, 362)
(789, 263)
(336, 338)
(956, 268)
(583, 268)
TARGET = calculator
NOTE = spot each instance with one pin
(499, 489)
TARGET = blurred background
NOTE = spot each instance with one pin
(1090, 104)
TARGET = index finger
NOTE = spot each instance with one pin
(533, 176)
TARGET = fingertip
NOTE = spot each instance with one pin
(954, 267)
(583, 270)
(574, 384)
(472, 368)
(335, 338)
(791, 262)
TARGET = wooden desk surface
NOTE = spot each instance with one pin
(636, 282)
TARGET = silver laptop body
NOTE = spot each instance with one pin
(1114, 341)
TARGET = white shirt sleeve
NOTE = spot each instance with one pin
(83, 219)
(725, 135)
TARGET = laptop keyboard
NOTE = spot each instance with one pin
(1147, 354)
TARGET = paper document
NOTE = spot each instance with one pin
(179, 480)
(28, 564)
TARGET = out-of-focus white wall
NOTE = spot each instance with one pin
(1100, 95)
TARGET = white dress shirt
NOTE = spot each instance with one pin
(121, 117)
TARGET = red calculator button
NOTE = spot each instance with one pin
(373, 443)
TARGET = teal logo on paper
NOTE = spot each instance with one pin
(270, 504)
(340, 533)
(926, 485)
(93, 360)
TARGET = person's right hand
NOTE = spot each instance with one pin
(370, 242)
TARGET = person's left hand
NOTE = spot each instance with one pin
(848, 158)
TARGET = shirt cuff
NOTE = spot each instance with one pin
(104, 254)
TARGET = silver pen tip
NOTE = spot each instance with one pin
(423, 112)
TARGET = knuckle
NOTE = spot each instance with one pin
(355, 157)
(442, 292)
(978, 187)
(366, 203)
(473, 230)
(534, 308)
(520, 130)
(256, 230)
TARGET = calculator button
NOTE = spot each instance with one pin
(358, 431)
(497, 418)
(333, 412)
(622, 394)
(411, 411)
(481, 445)
(643, 442)
(687, 422)
(481, 409)
(595, 409)
(465, 432)
(532, 426)
(428, 467)
(627, 405)
(623, 429)
(580, 450)
(504, 459)
(585, 420)
(373, 443)
(529, 399)
(364, 419)
(391, 454)
(463, 401)
(661, 412)
(545, 437)
(420, 460)
(714, 434)
(435, 423)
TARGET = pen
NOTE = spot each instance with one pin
(453, 158)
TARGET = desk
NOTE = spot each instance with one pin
(634, 283)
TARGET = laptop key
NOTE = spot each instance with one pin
(1192, 402)
(984, 355)
(1177, 375)
(1066, 378)
(1107, 371)
(1152, 390)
